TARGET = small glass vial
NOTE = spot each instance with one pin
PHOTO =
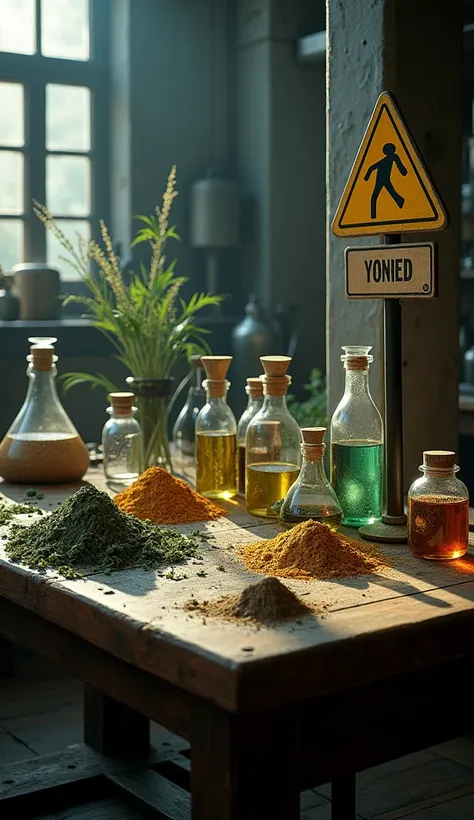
(254, 390)
(216, 434)
(42, 445)
(122, 442)
(184, 430)
(357, 444)
(273, 454)
(438, 509)
(311, 497)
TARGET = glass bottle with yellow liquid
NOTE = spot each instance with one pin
(216, 434)
(311, 497)
(273, 455)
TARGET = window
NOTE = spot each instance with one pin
(53, 124)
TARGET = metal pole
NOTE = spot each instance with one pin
(393, 405)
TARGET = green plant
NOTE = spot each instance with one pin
(313, 411)
(148, 323)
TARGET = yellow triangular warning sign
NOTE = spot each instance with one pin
(388, 190)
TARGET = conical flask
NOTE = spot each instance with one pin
(42, 445)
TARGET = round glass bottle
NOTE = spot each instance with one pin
(216, 434)
(311, 497)
(254, 390)
(42, 445)
(357, 444)
(122, 442)
(184, 430)
(438, 509)
(273, 455)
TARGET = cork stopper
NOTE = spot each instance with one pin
(357, 357)
(122, 403)
(42, 357)
(275, 381)
(439, 459)
(313, 445)
(216, 368)
(254, 387)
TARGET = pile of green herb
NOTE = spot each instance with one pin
(89, 530)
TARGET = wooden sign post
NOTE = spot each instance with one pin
(389, 192)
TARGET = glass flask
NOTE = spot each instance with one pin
(122, 442)
(216, 434)
(254, 390)
(357, 444)
(311, 496)
(273, 454)
(438, 509)
(184, 430)
(42, 445)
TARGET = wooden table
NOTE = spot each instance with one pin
(268, 712)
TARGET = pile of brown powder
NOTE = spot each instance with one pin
(268, 601)
(309, 550)
(163, 499)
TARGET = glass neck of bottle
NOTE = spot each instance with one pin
(357, 381)
(275, 403)
(312, 472)
(216, 401)
(254, 403)
(41, 382)
(433, 472)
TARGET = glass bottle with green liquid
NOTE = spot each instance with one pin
(357, 444)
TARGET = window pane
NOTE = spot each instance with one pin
(11, 114)
(11, 185)
(17, 26)
(11, 242)
(54, 250)
(68, 118)
(68, 185)
(65, 29)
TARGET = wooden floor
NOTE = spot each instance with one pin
(41, 712)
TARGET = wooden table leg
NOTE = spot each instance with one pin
(112, 728)
(343, 805)
(244, 767)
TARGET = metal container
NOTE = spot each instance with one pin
(37, 286)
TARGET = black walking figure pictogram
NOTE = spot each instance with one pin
(384, 169)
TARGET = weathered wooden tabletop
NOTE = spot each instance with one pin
(409, 615)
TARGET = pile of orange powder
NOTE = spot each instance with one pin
(163, 499)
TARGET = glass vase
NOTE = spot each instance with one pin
(152, 398)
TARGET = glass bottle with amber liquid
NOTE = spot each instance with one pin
(311, 497)
(438, 509)
(273, 455)
(254, 390)
(216, 434)
(357, 444)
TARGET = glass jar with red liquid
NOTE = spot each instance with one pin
(438, 509)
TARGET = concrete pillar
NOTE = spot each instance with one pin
(414, 51)
(281, 161)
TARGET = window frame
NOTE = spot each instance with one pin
(34, 72)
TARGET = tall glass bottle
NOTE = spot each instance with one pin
(254, 390)
(216, 434)
(357, 444)
(273, 454)
(122, 442)
(311, 497)
(42, 445)
(184, 430)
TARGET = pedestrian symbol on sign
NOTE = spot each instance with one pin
(388, 190)
(382, 180)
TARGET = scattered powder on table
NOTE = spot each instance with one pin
(163, 499)
(267, 601)
(88, 530)
(310, 550)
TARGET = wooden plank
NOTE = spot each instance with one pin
(162, 702)
(244, 768)
(147, 790)
(112, 728)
